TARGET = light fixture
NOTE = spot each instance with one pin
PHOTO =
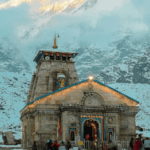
(90, 77)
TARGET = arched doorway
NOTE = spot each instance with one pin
(91, 127)
(110, 135)
(72, 136)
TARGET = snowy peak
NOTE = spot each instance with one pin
(135, 70)
(79, 5)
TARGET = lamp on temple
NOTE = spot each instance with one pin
(90, 77)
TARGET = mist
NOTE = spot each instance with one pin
(24, 29)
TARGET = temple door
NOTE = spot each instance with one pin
(72, 136)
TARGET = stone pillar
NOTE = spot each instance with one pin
(24, 133)
(64, 126)
(30, 126)
(117, 126)
(41, 87)
(30, 88)
(73, 74)
(50, 84)
(23, 136)
(42, 82)
(33, 89)
(37, 127)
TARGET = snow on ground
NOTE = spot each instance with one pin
(19, 145)
(139, 92)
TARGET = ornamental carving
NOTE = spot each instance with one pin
(90, 87)
(92, 99)
(110, 120)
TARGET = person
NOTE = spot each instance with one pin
(147, 144)
(137, 144)
(55, 145)
(68, 145)
(92, 145)
(142, 144)
(111, 145)
(62, 143)
(119, 146)
(62, 146)
(34, 147)
(87, 137)
(131, 144)
(86, 142)
(49, 144)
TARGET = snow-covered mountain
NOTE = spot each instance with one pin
(79, 5)
(134, 70)
(13, 91)
(121, 62)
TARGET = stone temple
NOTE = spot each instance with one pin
(60, 107)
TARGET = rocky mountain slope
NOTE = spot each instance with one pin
(79, 5)
(13, 91)
(135, 70)
(121, 62)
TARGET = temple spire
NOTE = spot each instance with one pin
(55, 44)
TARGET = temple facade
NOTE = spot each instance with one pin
(60, 107)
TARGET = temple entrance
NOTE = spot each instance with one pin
(91, 129)
(111, 136)
(72, 136)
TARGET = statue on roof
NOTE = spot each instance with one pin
(61, 79)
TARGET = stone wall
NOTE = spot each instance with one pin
(44, 80)
(46, 126)
(24, 133)
(68, 119)
(112, 120)
(127, 127)
(75, 94)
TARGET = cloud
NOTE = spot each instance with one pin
(27, 31)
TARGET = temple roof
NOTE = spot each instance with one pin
(60, 50)
(74, 85)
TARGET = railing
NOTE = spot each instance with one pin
(96, 145)
(124, 144)
(99, 145)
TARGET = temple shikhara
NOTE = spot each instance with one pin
(60, 107)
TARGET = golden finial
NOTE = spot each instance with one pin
(55, 45)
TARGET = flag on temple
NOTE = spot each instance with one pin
(59, 128)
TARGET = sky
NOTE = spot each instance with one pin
(25, 28)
